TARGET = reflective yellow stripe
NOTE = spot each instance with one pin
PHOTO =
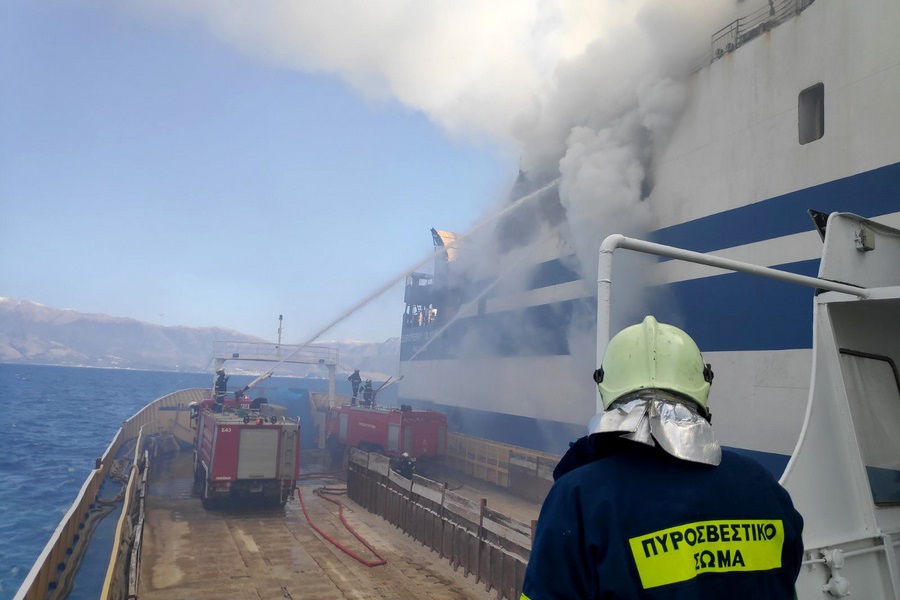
(683, 552)
(524, 597)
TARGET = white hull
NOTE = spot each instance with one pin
(735, 181)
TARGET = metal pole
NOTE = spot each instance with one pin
(331, 369)
(280, 330)
(604, 278)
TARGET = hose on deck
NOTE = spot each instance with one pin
(323, 493)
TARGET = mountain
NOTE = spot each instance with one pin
(35, 334)
(374, 360)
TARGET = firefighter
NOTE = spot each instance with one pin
(368, 393)
(221, 385)
(405, 465)
(647, 505)
(355, 380)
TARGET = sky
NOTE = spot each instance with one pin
(211, 163)
(150, 170)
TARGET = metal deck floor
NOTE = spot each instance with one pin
(189, 552)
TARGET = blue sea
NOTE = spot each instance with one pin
(59, 419)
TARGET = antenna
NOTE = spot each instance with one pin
(280, 329)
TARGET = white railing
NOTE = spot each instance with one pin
(268, 352)
(59, 558)
(613, 242)
(742, 30)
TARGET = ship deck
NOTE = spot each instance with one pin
(274, 553)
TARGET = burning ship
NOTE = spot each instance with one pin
(788, 126)
(791, 110)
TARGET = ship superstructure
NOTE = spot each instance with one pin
(793, 109)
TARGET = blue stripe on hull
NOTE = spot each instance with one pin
(733, 312)
(740, 312)
(868, 194)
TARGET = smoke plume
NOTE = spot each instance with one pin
(520, 71)
(587, 91)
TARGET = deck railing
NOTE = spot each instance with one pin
(268, 352)
(525, 472)
(485, 543)
(56, 565)
(742, 30)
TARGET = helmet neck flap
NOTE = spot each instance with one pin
(657, 418)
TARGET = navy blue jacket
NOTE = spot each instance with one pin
(626, 520)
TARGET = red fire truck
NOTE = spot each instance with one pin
(391, 431)
(243, 452)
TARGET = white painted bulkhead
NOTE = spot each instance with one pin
(843, 473)
(737, 141)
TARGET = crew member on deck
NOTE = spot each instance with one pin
(221, 384)
(368, 394)
(405, 465)
(355, 380)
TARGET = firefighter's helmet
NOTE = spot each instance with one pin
(653, 355)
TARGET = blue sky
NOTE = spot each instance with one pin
(212, 163)
(149, 169)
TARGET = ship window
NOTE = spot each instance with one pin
(811, 113)
(874, 395)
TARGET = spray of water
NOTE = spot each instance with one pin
(403, 274)
(588, 93)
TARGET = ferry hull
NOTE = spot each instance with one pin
(736, 178)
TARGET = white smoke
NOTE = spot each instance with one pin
(471, 66)
(475, 67)
(611, 108)
(587, 90)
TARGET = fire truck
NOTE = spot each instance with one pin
(392, 431)
(244, 450)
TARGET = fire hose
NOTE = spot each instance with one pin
(322, 493)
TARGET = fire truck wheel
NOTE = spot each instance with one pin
(208, 503)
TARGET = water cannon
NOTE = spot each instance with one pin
(239, 393)
(387, 383)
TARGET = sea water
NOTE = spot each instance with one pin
(57, 420)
